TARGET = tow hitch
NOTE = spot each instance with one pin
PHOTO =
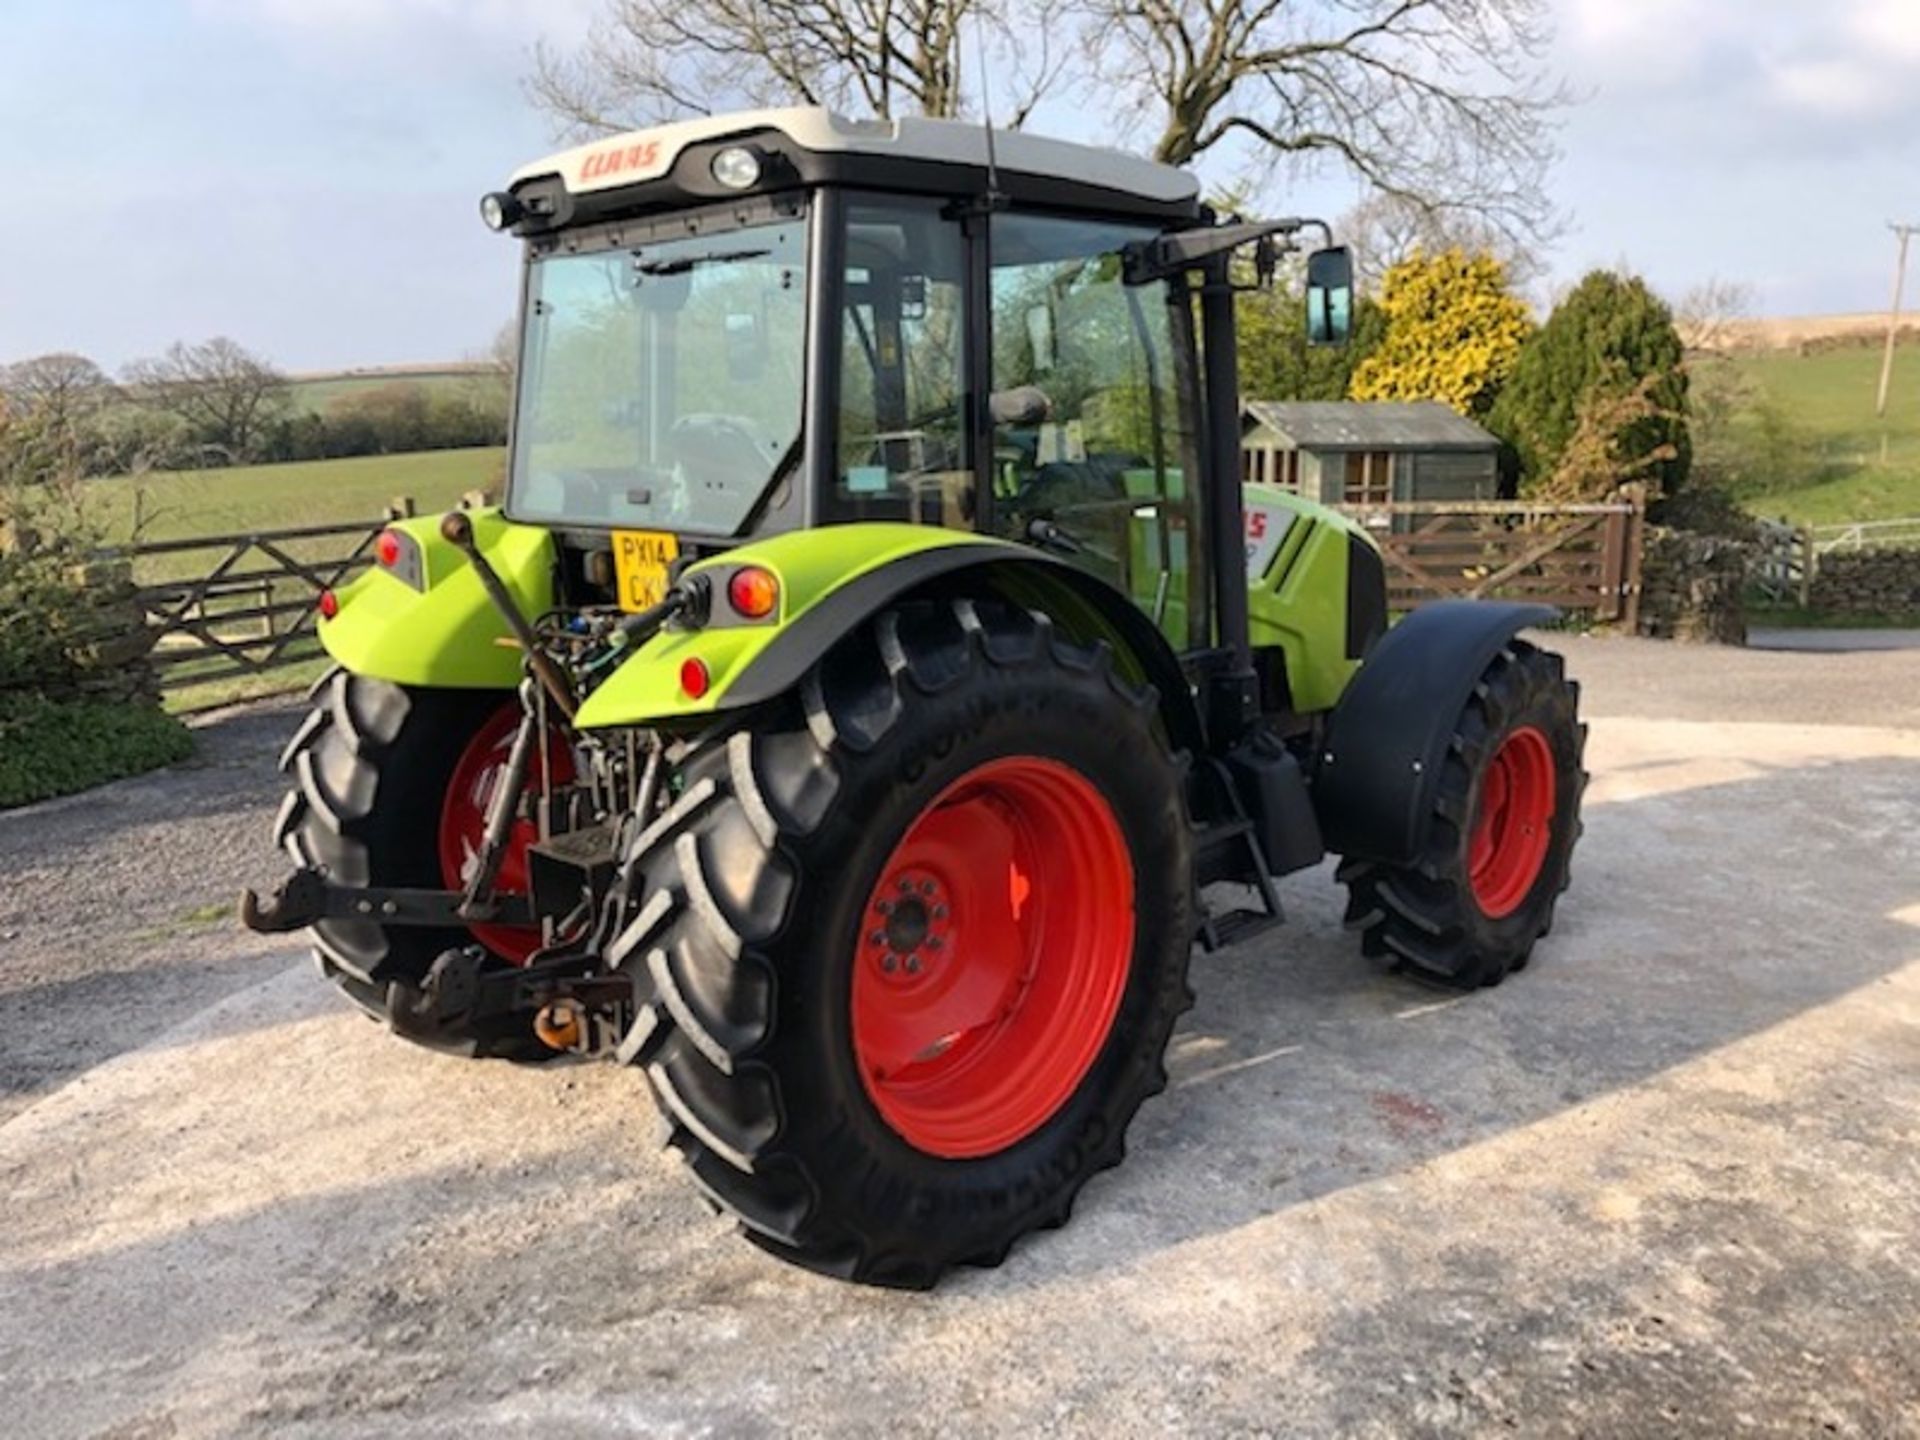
(307, 896)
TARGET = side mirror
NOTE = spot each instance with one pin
(1330, 296)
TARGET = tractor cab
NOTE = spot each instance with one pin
(755, 324)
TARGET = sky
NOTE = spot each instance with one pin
(302, 174)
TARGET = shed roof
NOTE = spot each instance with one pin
(1370, 425)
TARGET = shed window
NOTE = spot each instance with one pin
(1260, 465)
(1369, 477)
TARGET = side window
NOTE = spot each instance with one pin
(901, 451)
(1091, 399)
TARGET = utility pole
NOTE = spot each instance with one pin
(1906, 234)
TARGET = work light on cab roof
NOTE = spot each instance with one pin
(874, 658)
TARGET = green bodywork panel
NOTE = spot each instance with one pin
(1298, 598)
(448, 633)
(810, 566)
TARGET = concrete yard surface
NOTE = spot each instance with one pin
(1665, 1181)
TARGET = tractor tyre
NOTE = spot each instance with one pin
(389, 784)
(909, 944)
(1506, 814)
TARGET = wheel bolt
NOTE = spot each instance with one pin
(885, 907)
(939, 912)
(913, 964)
(927, 887)
(906, 887)
(888, 963)
(877, 937)
(934, 942)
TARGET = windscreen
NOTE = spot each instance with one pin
(661, 386)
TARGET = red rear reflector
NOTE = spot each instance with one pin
(695, 678)
(329, 604)
(753, 592)
(387, 547)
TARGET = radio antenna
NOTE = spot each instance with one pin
(994, 198)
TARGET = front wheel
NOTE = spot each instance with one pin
(911, 945)
(1467, 910)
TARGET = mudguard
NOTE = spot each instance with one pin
(1373, 787)
(832, 580)
(428, 621)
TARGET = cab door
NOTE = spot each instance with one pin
(1093, 411)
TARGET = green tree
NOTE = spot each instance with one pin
(1614, 336)
(1277, 363)
(1453, 333)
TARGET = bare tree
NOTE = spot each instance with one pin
(1708, 316)
(652, 60)
(223, 391)
(1440, 104)
(1385, 229)
(62, 388)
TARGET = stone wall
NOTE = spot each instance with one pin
(1693, 587)
(1868, 582)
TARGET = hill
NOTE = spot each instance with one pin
(1844, 463)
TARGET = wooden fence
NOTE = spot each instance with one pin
(245, 603)
(1579, 557)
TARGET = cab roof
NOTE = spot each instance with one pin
(667, 164)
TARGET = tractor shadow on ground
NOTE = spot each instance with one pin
(1698, 917)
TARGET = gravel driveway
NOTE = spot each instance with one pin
(1666, 1181)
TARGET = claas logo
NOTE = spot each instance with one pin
(620, 159)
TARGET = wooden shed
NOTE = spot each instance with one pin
(1353, 453)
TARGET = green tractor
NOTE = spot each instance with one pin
(877, 672)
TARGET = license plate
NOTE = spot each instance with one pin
(640, 562)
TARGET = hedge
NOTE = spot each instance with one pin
(56, 747)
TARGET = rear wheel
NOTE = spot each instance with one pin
(1468, 909)
(390, 787)
(910, 947)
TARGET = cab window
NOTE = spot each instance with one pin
(1092, 403)
(901, 450)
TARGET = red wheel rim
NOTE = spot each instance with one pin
(463, 824)
(992, 956)
(1515, 823)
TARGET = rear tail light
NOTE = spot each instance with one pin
(329, 605)
(753, 592)
(399, 555)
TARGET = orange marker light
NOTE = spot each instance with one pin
(695, 679)
(753, 592)
(387, 547)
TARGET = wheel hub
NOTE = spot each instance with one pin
(1514, 825)
(996, 944)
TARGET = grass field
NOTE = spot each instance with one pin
(1866, 468)
(322, 393)
(206, 502)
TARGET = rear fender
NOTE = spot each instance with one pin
(1374, 784)
(832, 580)
(427, 621)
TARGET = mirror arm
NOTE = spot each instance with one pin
(1145, 261)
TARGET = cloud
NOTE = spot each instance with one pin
(1778, 59)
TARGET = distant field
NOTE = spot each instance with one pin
(1869, 469)
(320, 393)
(205, 502)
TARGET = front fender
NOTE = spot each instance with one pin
(442, 631)
(1380, 760)
(831, 581)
